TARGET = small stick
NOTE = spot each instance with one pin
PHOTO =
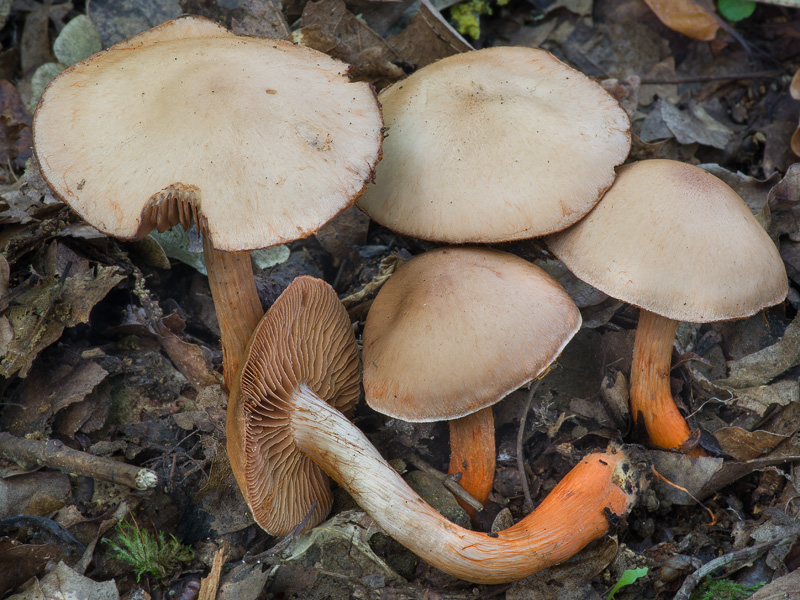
(742, 556)
(520, 457)
(720, 77)
(55, 455)
(448, 481)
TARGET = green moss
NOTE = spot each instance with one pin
(467, 15)
(724, 589)
(147, 552)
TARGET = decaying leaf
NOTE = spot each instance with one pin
(794, 89)
(51, 389)
(116, 20)
(763, 366)
(338, 32)
(782, 587)
(428, 38)
(37, 493)
(745, 445)
(62, 583)
(686, 17)
(687, 126)
(339, 235)
(40, 314)
(261, 18)
(571, 579)
(701, 477)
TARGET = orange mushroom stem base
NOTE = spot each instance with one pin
(236, 301)
(573, 514)
(472, 453)
(652, 405)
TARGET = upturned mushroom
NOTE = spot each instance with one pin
(302, 356)
(680, 244)
(483, 147)
(256, 141)
(453, 332)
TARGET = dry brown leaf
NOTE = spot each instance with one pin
(62, 583)
(701, 477)
(782, 587)
(346, 37)
(261, 18)
(427, 38)
(339, 235)
(761, 367)
(746, 445)
(686, 17)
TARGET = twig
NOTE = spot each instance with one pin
(55, 455)
(743, 556)
(268, 555)
(449, 481)
(720, 77)
(685, 491)
(520, 457)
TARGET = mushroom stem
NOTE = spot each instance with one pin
(233, 288)
(572, 515)
(472, 453)
(652, 404)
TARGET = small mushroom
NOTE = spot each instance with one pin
(680, 244)
(256, 141)
(301, 364)
(452, 333)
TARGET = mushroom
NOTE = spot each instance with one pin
(680, 244)
(452, 333)
(484, 147)
(256, 141)
(302, 353)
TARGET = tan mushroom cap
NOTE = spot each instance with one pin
(675, 240)
(266, 140)
(455, 330)
(493, 145)
(304, 339)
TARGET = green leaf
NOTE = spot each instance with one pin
(627, 578)
(736, 10)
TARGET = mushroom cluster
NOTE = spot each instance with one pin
(257, 142)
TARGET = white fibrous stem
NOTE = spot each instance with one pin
(572, 515)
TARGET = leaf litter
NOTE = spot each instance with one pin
(112, 347)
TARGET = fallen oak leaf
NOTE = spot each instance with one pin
(686, 17)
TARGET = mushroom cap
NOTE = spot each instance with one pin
(305, 339)
(494, 145)
(455, 330)
(259, 140)
(675, 240)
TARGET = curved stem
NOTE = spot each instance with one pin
(472, 453)
(236, 301)
(571, 516)
(652, 405)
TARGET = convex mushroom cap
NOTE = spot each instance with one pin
(261, 141)
(677, 241)
(306, 342)
(455, 330)
(256, 141)
(494, 145)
